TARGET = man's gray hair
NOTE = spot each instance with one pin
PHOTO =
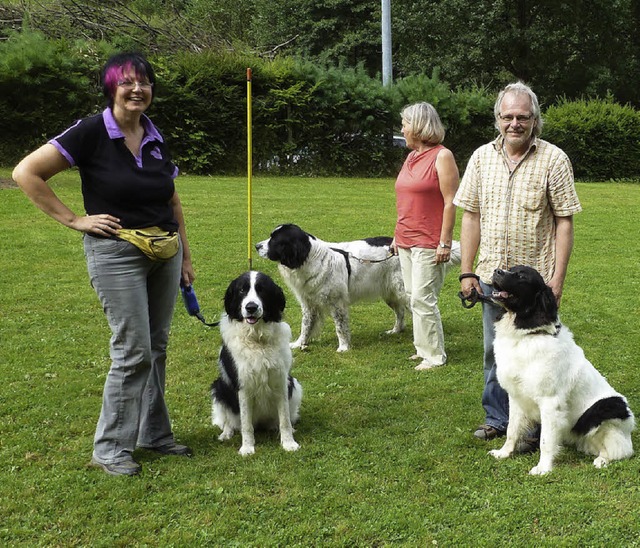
(519, 88)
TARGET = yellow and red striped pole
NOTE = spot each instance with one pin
(249, 166)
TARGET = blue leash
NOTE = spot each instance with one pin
(191, 304)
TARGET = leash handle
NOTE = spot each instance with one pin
(470, 300)
(189, 298)
(191, 303)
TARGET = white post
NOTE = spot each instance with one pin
(387, 70)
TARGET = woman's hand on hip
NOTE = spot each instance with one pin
(102, 225)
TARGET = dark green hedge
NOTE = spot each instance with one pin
(602, 138)
(306, 119)
(44, 86)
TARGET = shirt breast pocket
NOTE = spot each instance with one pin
(531, 195)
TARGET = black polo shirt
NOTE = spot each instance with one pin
(135, 189)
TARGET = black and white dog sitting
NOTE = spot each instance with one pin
(328, 277)
(549, 380)
(255, 387)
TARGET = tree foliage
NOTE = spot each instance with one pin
(560, 48)
(44, 85)
(563, 49)
(580, 47)
(319, 106)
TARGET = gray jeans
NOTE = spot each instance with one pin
(138, 297)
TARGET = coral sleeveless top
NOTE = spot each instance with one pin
(419, 201)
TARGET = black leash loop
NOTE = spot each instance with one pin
(470, 300)
(201, 318)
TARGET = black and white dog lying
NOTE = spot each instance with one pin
(255, 387)
(328, 277)
(549, 380)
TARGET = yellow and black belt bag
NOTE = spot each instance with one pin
(155, 243)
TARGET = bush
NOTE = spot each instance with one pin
(200, 107)
(306, 119)
(466, 114)
(601, 138)
(347, 124)
(44, 87)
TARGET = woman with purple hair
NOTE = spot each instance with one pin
(128, 187)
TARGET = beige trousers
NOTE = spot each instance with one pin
(423, 280)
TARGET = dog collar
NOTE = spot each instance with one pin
(547, 330)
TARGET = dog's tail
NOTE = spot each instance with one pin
(295, 399)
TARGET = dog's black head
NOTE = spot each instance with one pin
(288, 244)
(522, 290)
(254, 296)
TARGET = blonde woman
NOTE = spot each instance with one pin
(423, 238)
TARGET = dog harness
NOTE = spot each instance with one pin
(346, 258)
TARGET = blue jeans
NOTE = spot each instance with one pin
(138, 296)
(494, 398)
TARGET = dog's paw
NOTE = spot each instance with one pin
(394, 331)
(226, 435)
(247, 450)
(500, 454)
(343, 348)
(600, 462)
(290, 445)
(539, 470)
(297, 344)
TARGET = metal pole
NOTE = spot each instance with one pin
(249, 166)
(387, 70)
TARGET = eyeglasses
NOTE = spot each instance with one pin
(129, 85)
(520, 118)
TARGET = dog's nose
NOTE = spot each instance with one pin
(499, 271)
(258, 246)
(251, 307)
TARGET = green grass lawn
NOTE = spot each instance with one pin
(387, 454)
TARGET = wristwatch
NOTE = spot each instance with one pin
(444, 246)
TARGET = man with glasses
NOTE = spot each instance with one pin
(519, 198)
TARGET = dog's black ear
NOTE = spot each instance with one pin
(230, 300)
(547, 304)
(294, 253)
(281, 300)
(275, 301)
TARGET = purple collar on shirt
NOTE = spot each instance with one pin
(150, 134)
(150, 131)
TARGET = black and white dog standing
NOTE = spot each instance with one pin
(255, 387)
(549, 380)
(328, 277)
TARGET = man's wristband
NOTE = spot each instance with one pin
(468, 275)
